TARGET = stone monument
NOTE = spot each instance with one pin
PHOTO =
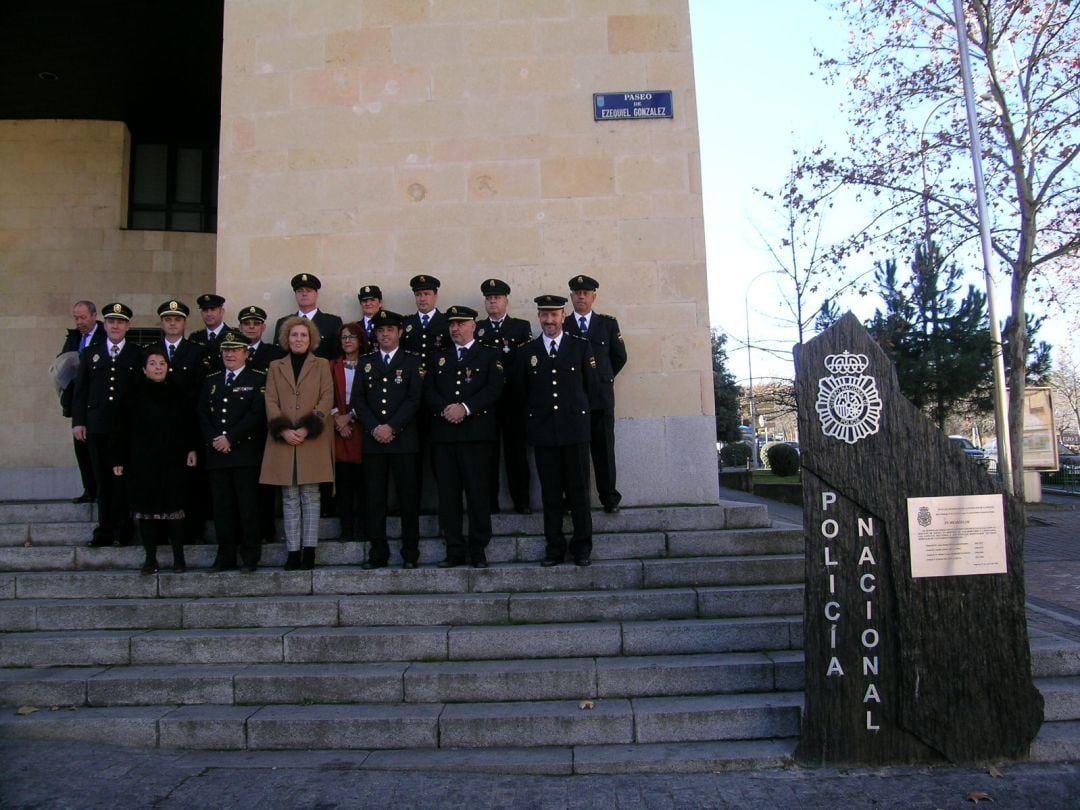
(916, 638)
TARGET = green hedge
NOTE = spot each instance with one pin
(783, 459)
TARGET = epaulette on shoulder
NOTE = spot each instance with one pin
(575, 336)
(217, 374)
(411, 352)
(256, 371)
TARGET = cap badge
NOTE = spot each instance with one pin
(117, 308)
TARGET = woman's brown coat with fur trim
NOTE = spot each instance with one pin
(296, 403)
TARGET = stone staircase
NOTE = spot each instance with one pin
(678, 649)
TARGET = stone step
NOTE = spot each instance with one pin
(509, 577)
(270, 645)
(1057, 742)
(725, 515)
(397, 682)
(1054, 657)
(616, 721)
(25, 615)
(1061, 698)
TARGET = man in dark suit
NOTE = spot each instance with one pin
(106, 374)
(212, 309)
(260, 354)
(505, 334)
(460, 392)
(306, 288)
(557, 372)
(370, 297)
(602, 332)
(188, 366)
(89, 333)
(386, 396)
(232, 419)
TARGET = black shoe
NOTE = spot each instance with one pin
(371, 566)
(523, 510)
(584, 562)
(548, 562)
(179, 568)
(307, 558)
(148, 569)
(612, 509)
(408, 566)
(221, 565)
(450, 563)
(84, 498)
(99, 542)
(480, 564)
(292, 562)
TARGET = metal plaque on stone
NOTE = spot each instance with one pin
(638, 105)
(928, 663)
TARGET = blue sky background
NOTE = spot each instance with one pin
(759, 96)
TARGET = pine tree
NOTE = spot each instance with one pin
(726, 393)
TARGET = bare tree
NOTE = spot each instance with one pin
(907, 162)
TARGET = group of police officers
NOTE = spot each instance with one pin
(438, 385)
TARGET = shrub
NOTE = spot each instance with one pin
(735, 454)
(783, 459)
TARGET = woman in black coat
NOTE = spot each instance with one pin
(154, 441)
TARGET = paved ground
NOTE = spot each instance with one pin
(59, 775)
(74, 775)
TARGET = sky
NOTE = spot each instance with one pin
(759, 96)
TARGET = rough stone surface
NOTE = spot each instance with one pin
(539, 641)
(723, 571)
(470, 681)
(49, 687)
(70, 649)
(365, 644)
(161, 685)
(526, 724)
(226, 646)
(298, 611)
(217, 728)
(717, 717)
(630, 676)
(714, 635)
(424, 609)
(413, 726)
(319, 683)
(756, 600)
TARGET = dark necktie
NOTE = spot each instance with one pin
(495, 326)
(370, 329)
(460, 353)
(172, 352)
(554, 349)
(83, 341)
(114, 350)
(251, 352)
(386, 361)
(583, 324)
(424, 321)
(211, 337)
(229, 379)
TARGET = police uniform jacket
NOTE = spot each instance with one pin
(329, 327)
(187, 367)
(388, 396)
(512, 334)
(264, 355)
(294, 402)
(608, 349)
(237, 412)
(71, 344)
(426, 343)
(211, 358)
(558, 390)
(475, 382)
(102, 383)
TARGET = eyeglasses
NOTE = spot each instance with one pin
(350, 337)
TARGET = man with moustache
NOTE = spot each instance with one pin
(460, 392)
(507, 335)
(106, 375)
(88, 333)
(557, 372)
(232, 420)
(386, 396)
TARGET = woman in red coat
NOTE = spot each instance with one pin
(347, 439)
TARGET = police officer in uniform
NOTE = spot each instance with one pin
(507, 335)
(460, 392)
(212, 309)
(306, 288)
(386, 396)
(253, 326)
(602, 331)
(232, 420)
(106, 374)
(370, 297)
(557, 372)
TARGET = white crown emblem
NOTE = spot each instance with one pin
(846, 363)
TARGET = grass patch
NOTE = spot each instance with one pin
(767, 478)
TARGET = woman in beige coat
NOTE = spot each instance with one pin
(299, 449)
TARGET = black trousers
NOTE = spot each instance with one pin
(267, 512)
(462, 467)
(235, 491)
(602, 432)
(114, 519)
(564, 472)
(156, 533)
(511, 436)
(86, 467)
(349, 479)
(378, 467)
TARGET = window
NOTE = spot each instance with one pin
(173, 187)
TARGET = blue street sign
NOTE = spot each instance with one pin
(644, 104)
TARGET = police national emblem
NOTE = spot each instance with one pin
(848, 404)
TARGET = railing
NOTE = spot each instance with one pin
(1066, 479)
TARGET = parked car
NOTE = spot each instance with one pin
(970, 450)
